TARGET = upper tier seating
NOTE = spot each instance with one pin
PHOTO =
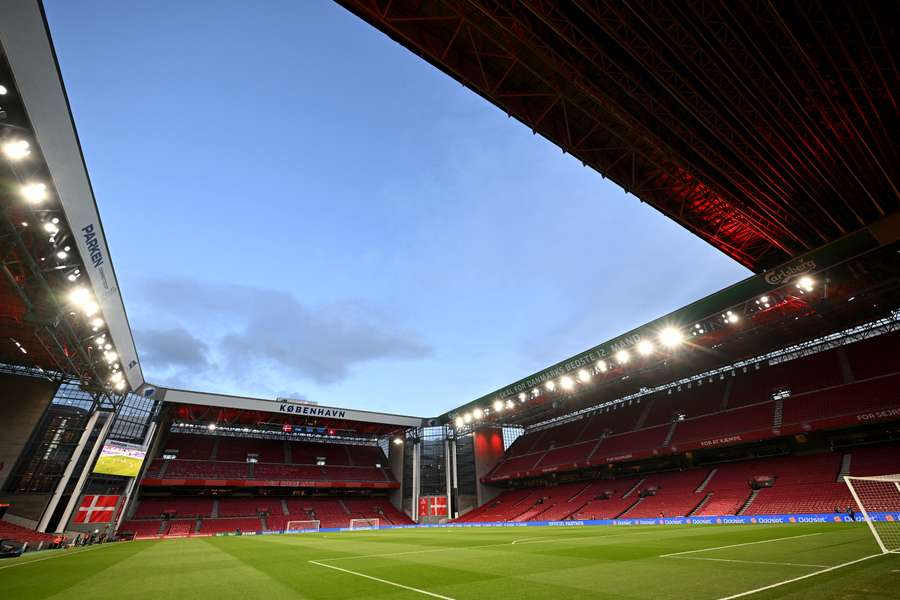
(875, 356)
(739, 420)
(694, 401)
(850, 399)
(174, 505)
(643, 439)
(206, 469)
(248, 506)
(190, 447)
(290, 472)
(237, 449)
(799, 375)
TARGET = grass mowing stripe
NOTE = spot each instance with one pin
(60, 555)
(801, 578)
(790, 537)
(750, 562)
(385, 581)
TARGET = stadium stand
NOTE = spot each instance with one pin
(10, 531)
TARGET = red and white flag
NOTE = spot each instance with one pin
(96, 509)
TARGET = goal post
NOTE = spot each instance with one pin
(878, 499)
(301, 526)
(364, 524)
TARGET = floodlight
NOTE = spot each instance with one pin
(670, 337)
(567, 382)
(96, 322)
(467, 417)
(120, 386)
(733, 318)
(459, 422)
(116, 377)
(498, 405)
(584, 376)
(91, 308)
(523, 396)
(536, 392)
(212, 427)
(477, 413)
(80, 296)
(510, 404)
(398, 441)
(3, 90)
(622, 357)
(806, 283)
(550, 385)
(34, 192)
(51, 228)
(111, 357)
(601, 364)
(645, 348)
(62, 255)
(16, 149)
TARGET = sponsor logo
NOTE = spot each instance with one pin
(93, 245)
(782, 274)
(879, 414)
(721, 440)
(312, 411)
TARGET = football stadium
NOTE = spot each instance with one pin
(744, 445)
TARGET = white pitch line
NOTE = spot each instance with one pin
(751, 562)
(385, 581)
(802, 577)
(59, 555)
(790, 537)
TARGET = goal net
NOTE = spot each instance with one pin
(878, 499)
(363, 523)
(300, 526)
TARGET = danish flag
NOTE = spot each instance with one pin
(96, 509)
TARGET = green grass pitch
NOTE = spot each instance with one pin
(517, 563)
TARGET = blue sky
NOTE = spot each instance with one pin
(298, 206)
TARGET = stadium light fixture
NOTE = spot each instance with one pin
(806, 283)
(79, 296)
(523, 396)
(398, 441)
(96, 323)
(567, 383)
(91, 308)
(584, 375)
(622, 357)
(120, 385)
(510, 404)
(34, 192)
(212, 427)
(51, 228)
(467, 417)
(671, 337)
(550, 385)
(477, 413)
(110, 356)
(498, 405)
(459, 422)
(602, 366)
(3, 90)
(16, 150)
(645, 348)
(62, 255)
(535, 392)
(116, 377)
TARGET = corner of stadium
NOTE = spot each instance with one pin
(744, 445)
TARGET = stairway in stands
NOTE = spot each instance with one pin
(699, 506)
(670, 433)
(846, 459)
(748, 502)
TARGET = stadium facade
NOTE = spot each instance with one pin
(754, 401)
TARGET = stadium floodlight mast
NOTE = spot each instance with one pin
(878, 499)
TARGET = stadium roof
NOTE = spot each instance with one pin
(203, 408)
(768, 129)
(61, 306)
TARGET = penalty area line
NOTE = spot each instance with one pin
(385, 581)
(801, 578)
(751, 562)
(790, 537)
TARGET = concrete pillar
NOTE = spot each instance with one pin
(395, 462)
(488, 451)
(416, 483)
(67, 473)
(85, 472)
